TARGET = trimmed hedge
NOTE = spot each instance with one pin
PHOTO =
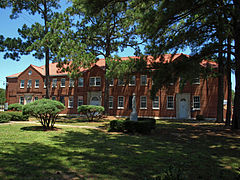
(5, 117)
(15, 107)
(142, 126)
(117, 125)
(13, 116)
(91, 111)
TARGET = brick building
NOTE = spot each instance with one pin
(194, 99)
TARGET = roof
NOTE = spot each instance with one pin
(55, 71)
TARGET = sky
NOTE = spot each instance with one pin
(9, 28)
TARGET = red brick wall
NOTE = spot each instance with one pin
(208, 94)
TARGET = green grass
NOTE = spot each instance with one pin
(198, 150)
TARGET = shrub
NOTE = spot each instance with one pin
(142, 126)
(5, 117)
(18, 116)
(91, 111)
(200, 117)
(45, 110)
(117, 125)
(15, 107)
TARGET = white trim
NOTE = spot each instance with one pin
(95, 81)
(71, 82)
(38, 83)
(109, 102)
(119, 107)
(197, 109)
(197, 83)
(112, 82)
(70, 107)
(53, 84)
(134, 81)
(22, 87)
(64, 82)
(153, 104)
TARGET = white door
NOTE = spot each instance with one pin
(28, 99)
(183, 109)
(95, 101)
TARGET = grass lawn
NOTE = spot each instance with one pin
(197, 150)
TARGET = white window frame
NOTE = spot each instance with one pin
(120, 82)
(154, 101)
(141, 80)
(80, 82)
(22, 83)
(197, 80)
(132, 77)
(21, 100)
(80, 99)
(37, 84)
(70, 101)
(194, 102)
(141, 101)
(121, 107)
(170, 108)
(71, 82)
(54, 82)
(29, 85)
(95, 81)
(110, 102)
(111, 82)
(62, 82)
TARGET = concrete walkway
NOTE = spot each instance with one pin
(56, 125)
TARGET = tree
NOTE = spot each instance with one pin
(35, 38)
(2, 96)
(104, 32)
(45, 110)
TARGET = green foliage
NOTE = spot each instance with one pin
(15, 107)
(200, 117)
(14, 116)
(44, 109)
(117, 126)
(142, 126)
(91, 111)
(4, 117)
(2, 96)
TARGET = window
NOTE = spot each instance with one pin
(170, 102)
(80, 100)
(132, 81)
(37, 83)
(71, 82)
(120, 102)
(196, 81)
(95, 81)
(54, 98)
(29, 72)
(22, 84)
(63, 82)
(110, 102)
(143, 80)
(21, 100)
(120, 82)
(155, 102)
(80, 82)
(54, 83)
(44, 83)
(29, 84)
(111, 82)
(196, 102)
(70, 102)
(143, 102)
(62, 100)
(35, 98)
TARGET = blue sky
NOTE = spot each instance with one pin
(9, 28)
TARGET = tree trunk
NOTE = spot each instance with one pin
(236, 35)
(229, 85)
(220, 83)
(46, 52)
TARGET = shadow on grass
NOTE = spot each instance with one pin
(39, 128)
(75, 120)
(34, 161)
(140, 157)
